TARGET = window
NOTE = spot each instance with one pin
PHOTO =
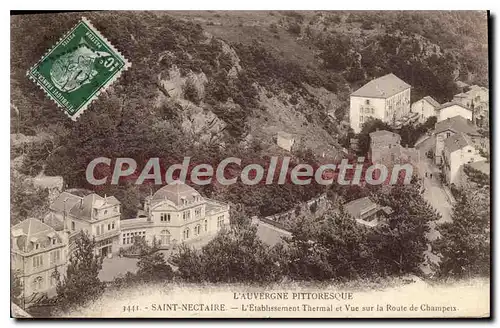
(37, 283)
(361, 119)
(220, 221)
(105, 212)
(73, 225)
(186, 233)
(367, 101)
(113, 225)
(109, 226)
(372, 110)
(197, 230)
(206, 225)
(98, 230)
(115, 209)
(469, 151)
(37, 246)
(95, 212)
(197, 212)
(37, 261)
(186, 215)
(55, 256)
(54, 240)
(123, 242)
(448, 134)
(164, 237)
(165, 217)
(53, 280)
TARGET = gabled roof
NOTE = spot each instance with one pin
(452, 103)
(383, 133)
(58, 204)
(432, 101)
(360, 206)
(382, 87)
(457, 124)
(457, 141)
(31, 230)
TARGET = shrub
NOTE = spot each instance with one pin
(191, 92)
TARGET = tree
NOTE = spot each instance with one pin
(235, 255)
(16, 287)
(333, 247)
(465, 242)
(153, 267)
(399, 245)
(81, 283)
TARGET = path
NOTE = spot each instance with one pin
(435, 194)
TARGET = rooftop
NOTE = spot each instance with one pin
(456, 124)
(432, 101)
(270, 234)
(456, 142)
(382, 135)
(452, 103)
(83, 208)
(482, 166)
(382, 87)
(360, 206)
(30, 231)
(175, 192)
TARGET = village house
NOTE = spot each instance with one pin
(98, 216)
(385, 148)
(425, 108)
(386, 98)
(176, 214)
(459, 149)
(451, 109)
(477, 99)
(366, 212)
(449, 127)
(37, 251)
(285, 140)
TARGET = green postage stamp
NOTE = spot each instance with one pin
(78, 68)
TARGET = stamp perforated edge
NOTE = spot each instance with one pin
(96, 94)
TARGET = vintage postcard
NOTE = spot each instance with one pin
(250, 164)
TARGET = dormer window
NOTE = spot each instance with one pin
(54, 241)
(95, 212)
(105, 212)
(37, 246)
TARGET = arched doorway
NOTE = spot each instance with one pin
(164, 237)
